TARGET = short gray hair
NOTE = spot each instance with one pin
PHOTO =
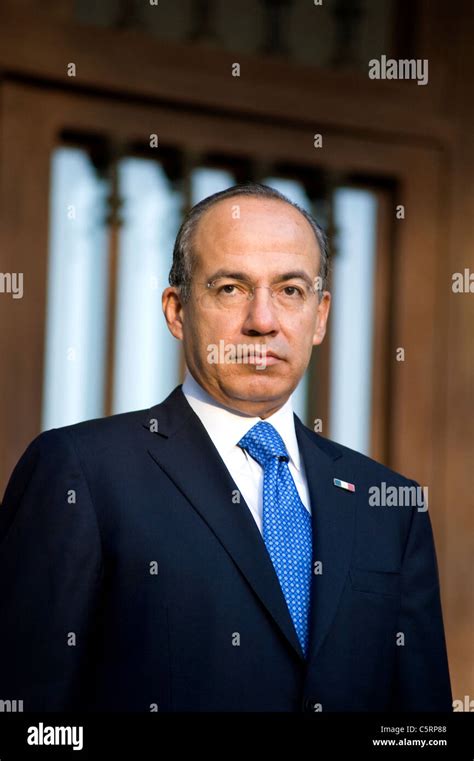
(181, 271)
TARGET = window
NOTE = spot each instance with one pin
(77, 292)
(143, 361)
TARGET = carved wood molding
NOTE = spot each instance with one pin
(130, 63)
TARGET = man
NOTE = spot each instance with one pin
(212, 553)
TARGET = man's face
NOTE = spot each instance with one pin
(263, 240)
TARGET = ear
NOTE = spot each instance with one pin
(173, 311)
(322, 318)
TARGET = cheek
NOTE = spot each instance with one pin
(212, 327)
(300, 337)
(208, 329)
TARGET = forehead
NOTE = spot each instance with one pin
(242, 225)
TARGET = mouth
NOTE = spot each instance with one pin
(265, 358)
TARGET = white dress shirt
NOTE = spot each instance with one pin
(226, 427)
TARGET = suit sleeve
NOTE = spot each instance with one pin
(423, 682)
(50, 576)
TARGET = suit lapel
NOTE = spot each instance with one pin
(333, 522)
(182, 448)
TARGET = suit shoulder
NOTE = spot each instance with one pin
(98, 432)
(362, 463)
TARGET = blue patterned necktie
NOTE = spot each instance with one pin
(286, 523)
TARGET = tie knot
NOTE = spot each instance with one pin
(263, 443)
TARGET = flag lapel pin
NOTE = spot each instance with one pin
(344, 484)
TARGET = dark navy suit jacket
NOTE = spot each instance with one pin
(132, 579)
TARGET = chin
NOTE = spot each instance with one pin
(260, 385)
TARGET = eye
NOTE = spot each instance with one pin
(292, 292)
(229, 289)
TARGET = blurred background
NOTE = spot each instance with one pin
(116, 117)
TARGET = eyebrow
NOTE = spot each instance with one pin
(291, 275)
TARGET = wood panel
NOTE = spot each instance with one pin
(36, 46)
(25, 147)
(382, 329)
(455, 340)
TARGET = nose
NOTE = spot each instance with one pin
(261, 316)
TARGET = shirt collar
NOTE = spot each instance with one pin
(226, 426)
